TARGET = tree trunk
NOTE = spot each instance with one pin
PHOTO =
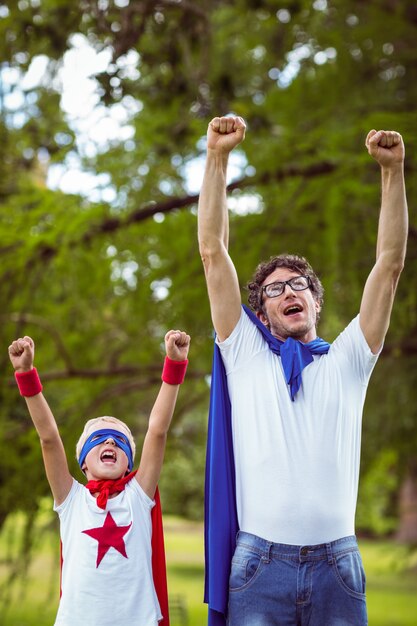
(407, 529)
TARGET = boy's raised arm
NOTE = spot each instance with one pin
(177, 344)
(21, 353)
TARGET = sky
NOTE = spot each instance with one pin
(94, 125)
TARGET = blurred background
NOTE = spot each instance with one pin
(104, 107)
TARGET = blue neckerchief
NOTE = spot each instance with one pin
(100, 436)
(295, 355)
(220, 513)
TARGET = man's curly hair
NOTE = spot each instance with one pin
(288, 261)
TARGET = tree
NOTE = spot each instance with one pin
(97, 283)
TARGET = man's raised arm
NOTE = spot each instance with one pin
(224, 133)
(387, 149)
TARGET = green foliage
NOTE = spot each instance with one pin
(182, 481)
(377, 492)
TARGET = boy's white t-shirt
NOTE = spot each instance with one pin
(107, 571)
(297, 463)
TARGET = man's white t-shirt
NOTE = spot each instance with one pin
(297, 463)
(107, 560)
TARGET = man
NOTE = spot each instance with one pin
(286, 473)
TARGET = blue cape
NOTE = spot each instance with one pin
(220, 513)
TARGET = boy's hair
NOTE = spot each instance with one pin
(288, 261)
(89, 428)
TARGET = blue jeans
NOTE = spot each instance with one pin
(274, 584)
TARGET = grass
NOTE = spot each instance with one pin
(184, 545)
(391, 579)
(391, 572)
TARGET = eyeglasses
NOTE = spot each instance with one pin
(298, 283)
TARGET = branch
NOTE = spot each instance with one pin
(134, 21)
(183, 4)
(290, 171)
(151, 373)
(125, 387)
(139, 215)
(28, 318)
(46, 252)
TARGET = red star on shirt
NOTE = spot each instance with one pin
(109, 536)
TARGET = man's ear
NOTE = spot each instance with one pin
(317, 306)
(263, 318)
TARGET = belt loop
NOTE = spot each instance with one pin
(329, 553)
(267, 555)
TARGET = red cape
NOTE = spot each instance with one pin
(158, 560)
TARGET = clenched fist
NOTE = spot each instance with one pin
(21, 353)
(386, 147)
(177, 344)
(225, 133)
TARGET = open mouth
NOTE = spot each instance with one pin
(108, 456)
(293, 309)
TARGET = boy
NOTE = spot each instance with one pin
(106, 527)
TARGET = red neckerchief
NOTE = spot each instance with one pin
(108, 487)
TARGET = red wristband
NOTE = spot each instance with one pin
(28, 382)
(173, 372)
